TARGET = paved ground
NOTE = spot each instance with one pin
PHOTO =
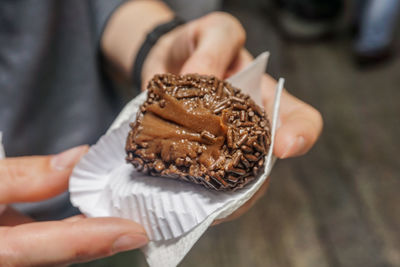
(337, 206)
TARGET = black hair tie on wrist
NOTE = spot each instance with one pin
(151, 39)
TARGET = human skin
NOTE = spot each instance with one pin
(212, 44)
(24, 242)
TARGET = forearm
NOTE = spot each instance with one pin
(127, 29)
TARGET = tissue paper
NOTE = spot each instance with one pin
(174, 214)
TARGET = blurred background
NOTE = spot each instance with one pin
(339, 204)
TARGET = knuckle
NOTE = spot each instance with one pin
(8, 174)
(241, 35)
(221, 16)
(227, 22)
(82, 252)
(8, 252)
(232, 24)
(313, 118)
(226, 18)
(320, 121)
(10, 171)
(316, 116)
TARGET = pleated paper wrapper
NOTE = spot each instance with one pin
(2, 155)
(174, 213)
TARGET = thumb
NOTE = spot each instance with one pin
(36, 178)
(301, 123)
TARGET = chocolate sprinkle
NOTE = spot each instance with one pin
(201, 130)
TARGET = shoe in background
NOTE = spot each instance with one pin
(376, 33)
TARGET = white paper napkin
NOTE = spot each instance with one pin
(175, 214)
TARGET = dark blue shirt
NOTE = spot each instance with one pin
(53, 92)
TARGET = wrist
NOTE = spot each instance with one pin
(150, 44)
(128, 28)
(154, 61)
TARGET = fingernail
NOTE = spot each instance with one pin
(294, 148)
(129, 242)
(67, 159)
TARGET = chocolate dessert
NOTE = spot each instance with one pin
(199, 129)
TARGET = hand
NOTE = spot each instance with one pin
(207, 45)
(76, 239)
(213, 44)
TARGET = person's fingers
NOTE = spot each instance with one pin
(246, 206)
(62, 242)
(300, 123)
(36, 178)
(11, 217)
(218, 38)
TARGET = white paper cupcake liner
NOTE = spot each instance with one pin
(103, 184)
(2, 155)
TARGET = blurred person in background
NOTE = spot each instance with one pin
(374, 22)
(307, 20)
(377, 22)
(55, 94)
